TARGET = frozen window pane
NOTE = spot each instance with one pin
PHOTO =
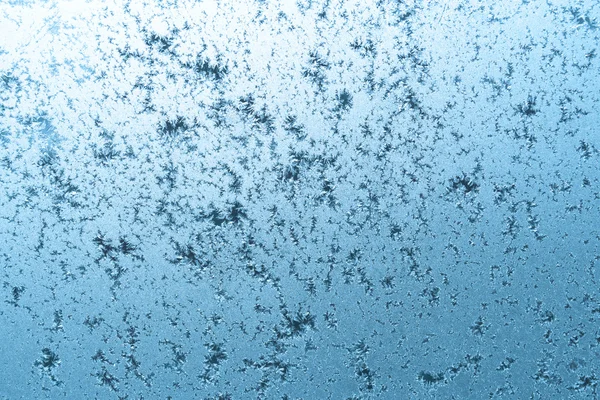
(299, 200)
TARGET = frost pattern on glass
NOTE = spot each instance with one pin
(299, 200)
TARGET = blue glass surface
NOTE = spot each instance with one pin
(299, 200)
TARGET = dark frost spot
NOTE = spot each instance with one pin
(344, 100)
(585, 150)
(430, 378)
(210, 70)
(49, 360)
(171, 129)
(463, 184)
(528, 109)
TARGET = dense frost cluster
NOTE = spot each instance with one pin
(336, 199)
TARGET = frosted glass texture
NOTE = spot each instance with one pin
(299, 199)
